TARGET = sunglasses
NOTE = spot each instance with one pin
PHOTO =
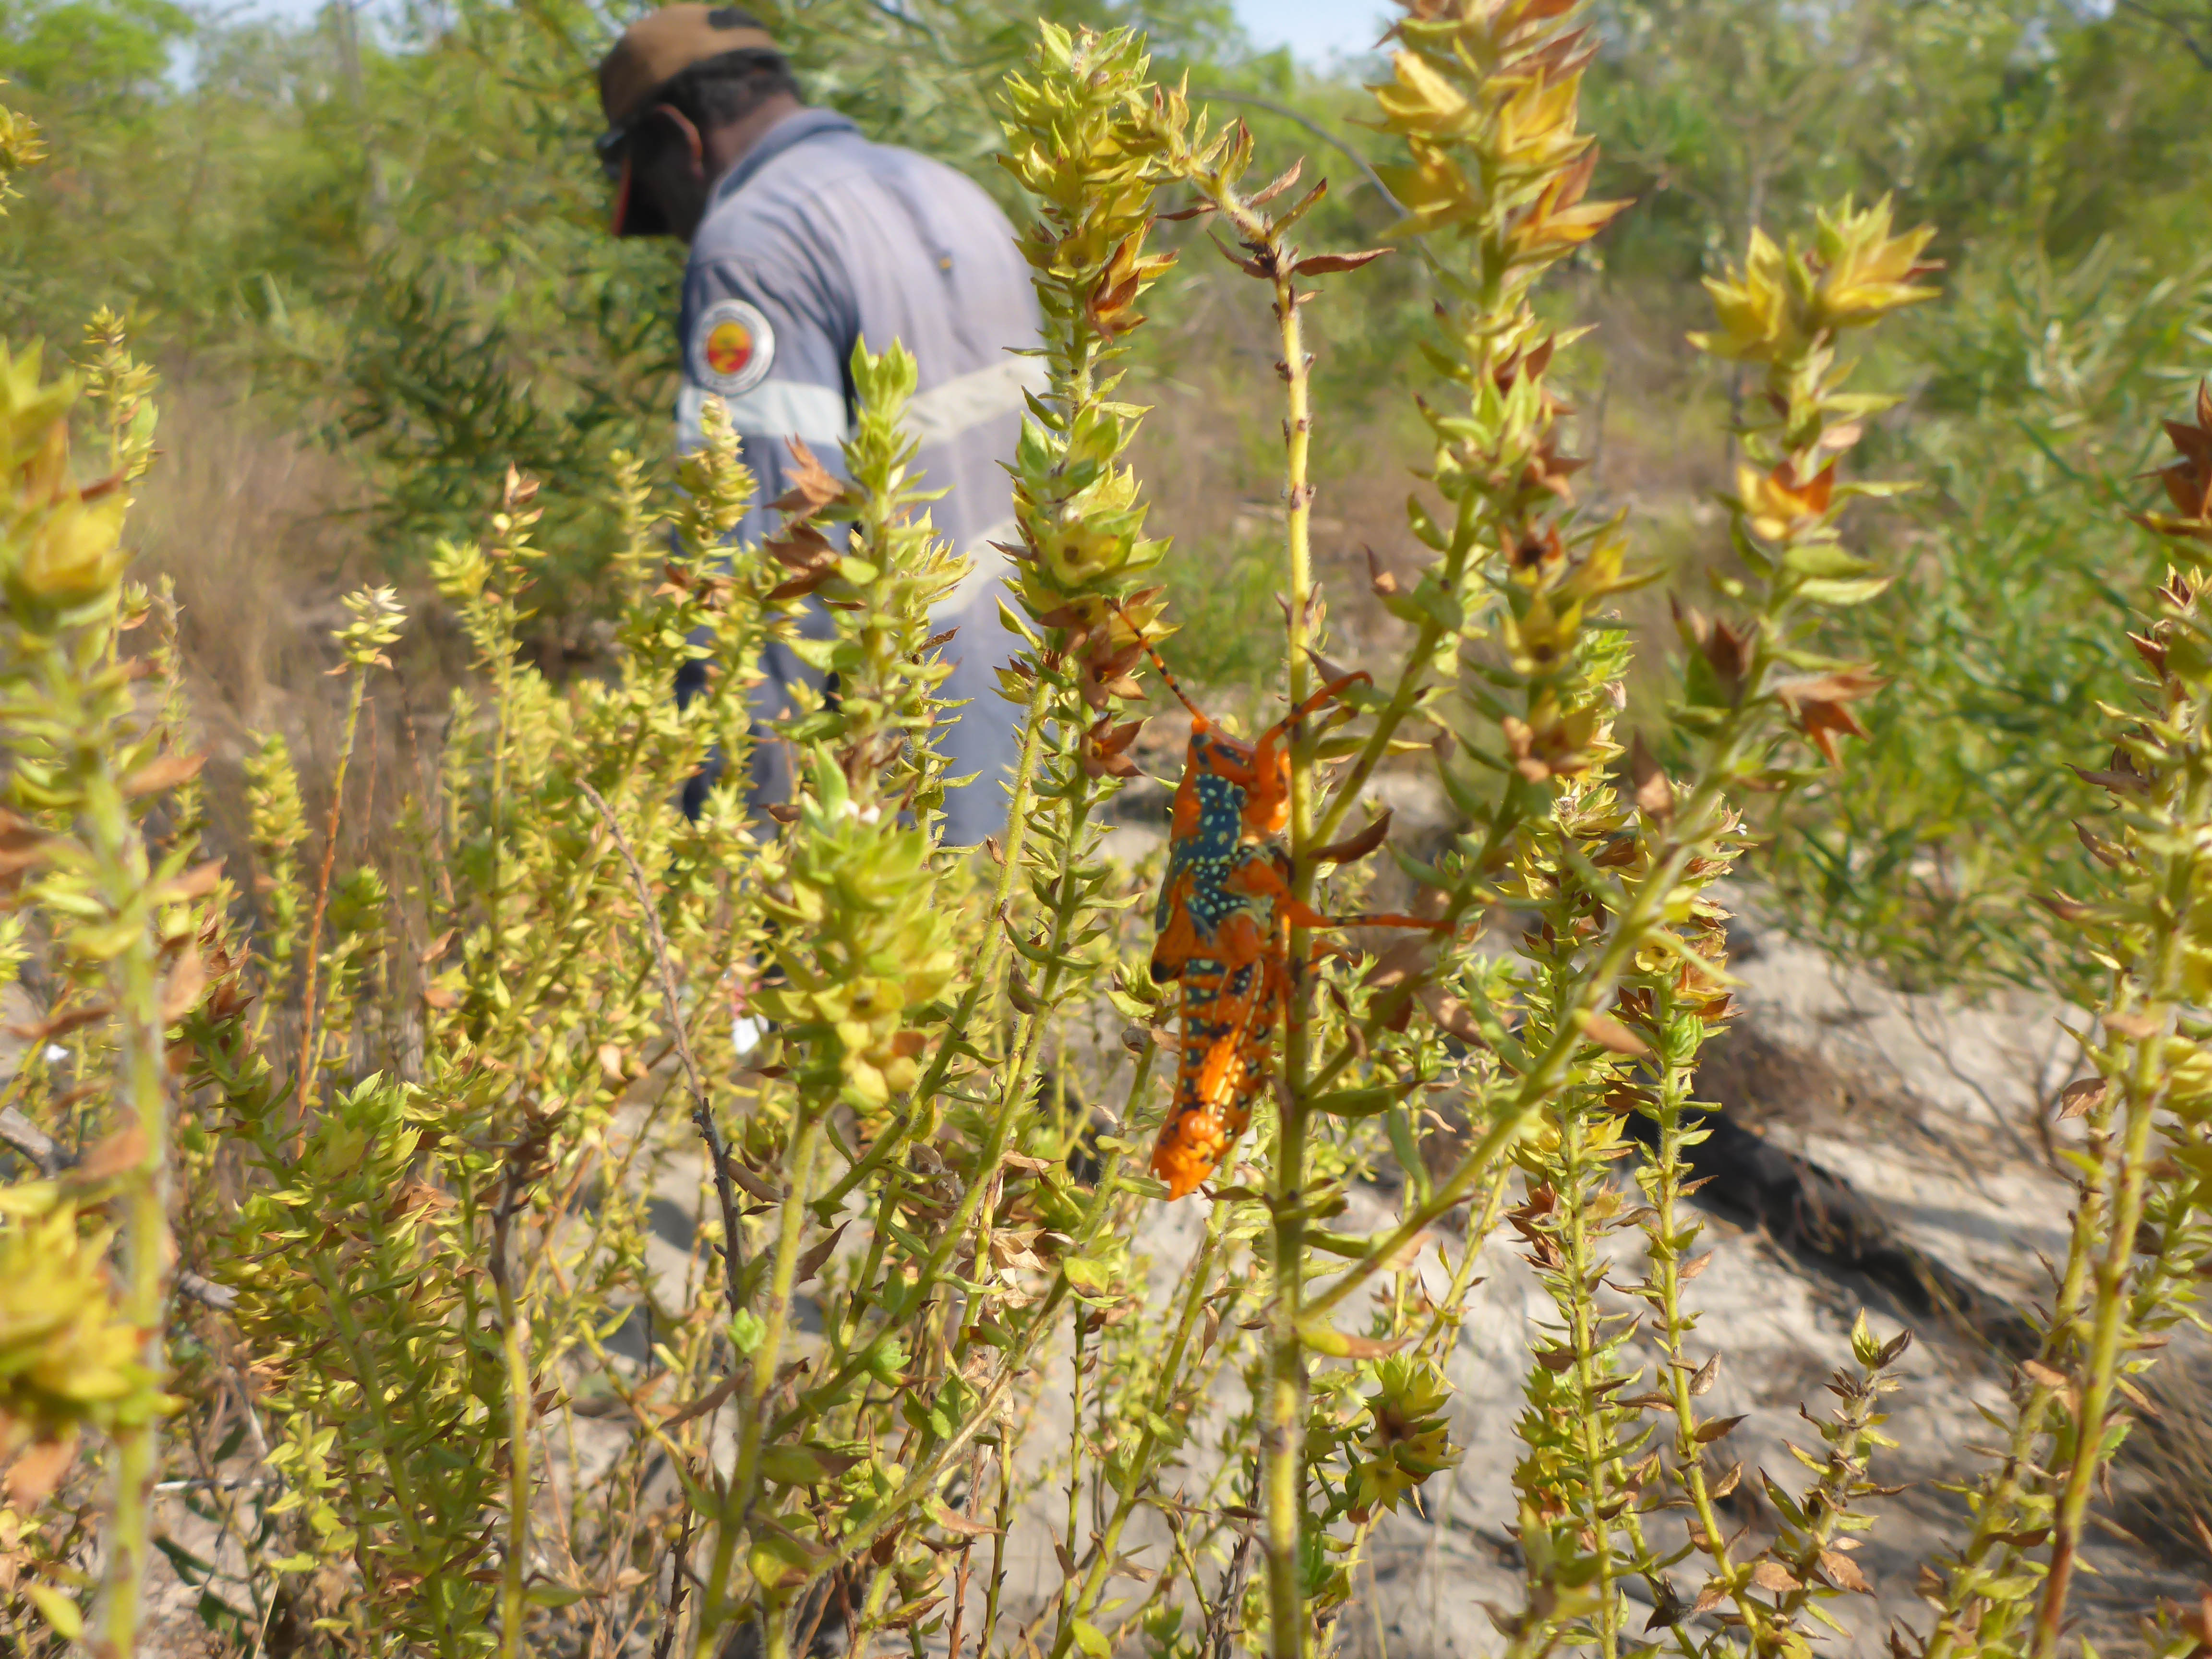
(613, 149)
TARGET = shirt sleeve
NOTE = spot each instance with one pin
(774, 350)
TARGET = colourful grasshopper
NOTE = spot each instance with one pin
(1222, 928)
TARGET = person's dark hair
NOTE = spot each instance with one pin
(720, 90)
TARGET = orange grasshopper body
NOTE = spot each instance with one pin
(1221, 930)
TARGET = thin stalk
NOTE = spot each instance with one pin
(1198, 1282)
(1284, 1404)
(1582, 1333)
(1412, 677)
(142, 1091)
(753, 1415)
(310, 1032)
(1636, 920)
(1998, 1512)
(1666, 1229)
(512, 1340)
(1004, 1520)
(1075, 1434)
(2108, 1325)
(1480, 1222)
(702, 1113)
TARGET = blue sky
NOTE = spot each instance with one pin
(1315, 29)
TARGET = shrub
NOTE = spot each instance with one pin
(404, 1125)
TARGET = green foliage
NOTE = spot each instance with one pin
(442, 1387)
(106, 54)
(1934, 858)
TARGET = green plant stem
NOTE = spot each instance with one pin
(310, 1030)
(1004, 1518)
(144, 1092)
(518, 1453)
(1636, 920)
(1075, 1433)
(1596, 1456)
(1130, 1495)
(2108, 1305)
(1998, 1513)
(1667, 1232)
(1283, 1436)
(1412, 676)
(752, 1421)
(920, 1481)
(1480, 1221)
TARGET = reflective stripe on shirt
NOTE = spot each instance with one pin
(775, 409)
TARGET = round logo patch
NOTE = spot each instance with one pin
(736, 346)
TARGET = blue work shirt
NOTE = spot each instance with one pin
(818, 238)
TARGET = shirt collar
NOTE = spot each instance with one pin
(794, 129)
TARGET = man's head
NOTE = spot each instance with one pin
(687, 90)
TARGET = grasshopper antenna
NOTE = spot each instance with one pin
(1166, 672)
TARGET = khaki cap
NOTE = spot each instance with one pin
(661, 46)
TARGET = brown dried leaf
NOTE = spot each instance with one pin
(113, 1154)
(2080, 1098)
(1407, 958)
(812, 485)
(195, 883)
(1609, 1033)
(32, 1476)
(1844, 1573)
(1357, 846)
(1103, 746)
(162, 773)
(60, 1026)
(751, 1182)
(2119, 780)
(21, 845)
(964, 1525)
(1821, 706)
(811, 1263)
(187, 980)
(1451, 1015)
(1281, 182)
(1702, 1382)
(2045, 1377)
(1718, 1429)
(709, 1401)
(1773, 1575)
(1327, 264)
(1655, 795)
